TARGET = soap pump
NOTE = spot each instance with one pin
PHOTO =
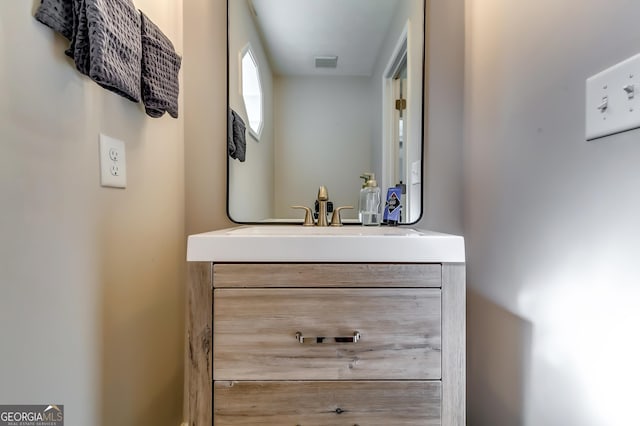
(369, 206)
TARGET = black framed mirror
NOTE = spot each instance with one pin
(327, 90)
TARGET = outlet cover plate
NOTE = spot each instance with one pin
(113, 162)
(613, 99)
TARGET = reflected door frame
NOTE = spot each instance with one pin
(390, 154)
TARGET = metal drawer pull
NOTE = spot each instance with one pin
(321, 339)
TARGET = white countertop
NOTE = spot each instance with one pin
(296, 243)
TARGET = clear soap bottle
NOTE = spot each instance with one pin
(369, 206)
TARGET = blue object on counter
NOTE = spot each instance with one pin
(393, 207)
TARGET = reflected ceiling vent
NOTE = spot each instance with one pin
(326, 61)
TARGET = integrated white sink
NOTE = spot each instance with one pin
(301, 231)
(297, 243)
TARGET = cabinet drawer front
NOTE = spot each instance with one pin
(327, 403)
(255, 334)
(327, 275)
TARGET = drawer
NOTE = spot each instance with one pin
(327, 403)
(327, 275)
(254, 336)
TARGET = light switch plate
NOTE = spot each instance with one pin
(113, 162)
(613, 99)
(415, 173)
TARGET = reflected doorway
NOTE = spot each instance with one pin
(396, 158)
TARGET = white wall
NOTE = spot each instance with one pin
(444, 94)
(323, 137)
(251, 182)
(91, 278)
(205, 124)
(551, 221)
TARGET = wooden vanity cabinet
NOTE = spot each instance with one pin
(326, 344)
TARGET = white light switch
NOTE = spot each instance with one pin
(613, 99)
(113, 162)
(415, 173)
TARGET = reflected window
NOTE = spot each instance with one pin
(251, 91)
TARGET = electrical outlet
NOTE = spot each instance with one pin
(113, 164)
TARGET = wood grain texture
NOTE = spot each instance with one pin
(327, 403)
(453, 345)
(327, 275)
(254, 334)
(199, 339)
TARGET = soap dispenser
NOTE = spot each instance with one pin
(369, 207)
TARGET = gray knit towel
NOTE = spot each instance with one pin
(57, 15)
(236, 136)
(79, 48)
(160, 68)
(231, 145)
(115, 46)
(105, 40)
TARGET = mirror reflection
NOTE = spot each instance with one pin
(328, 90)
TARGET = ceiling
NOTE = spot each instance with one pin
(295, 31)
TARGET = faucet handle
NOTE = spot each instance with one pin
(335, 218)
(308, 216)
